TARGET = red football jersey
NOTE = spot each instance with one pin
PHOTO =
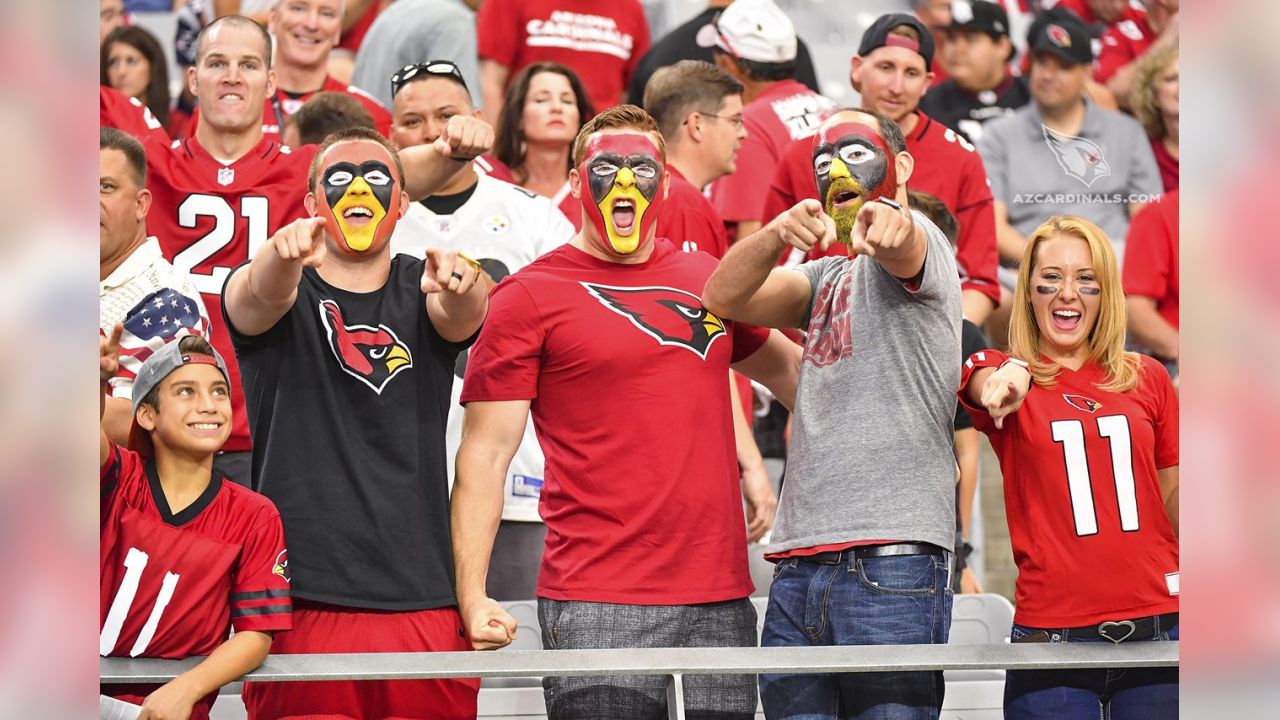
(1123, 43)
(1151, 256)
(1086, 517)
(690, 221)
(627, 374)
(786, 112)
(947, 166)
(600, 40)
(174, 584)
(281, 105)
(120, 111)
(211, 217)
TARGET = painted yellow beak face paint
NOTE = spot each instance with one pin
(359, 197)
(622, 178)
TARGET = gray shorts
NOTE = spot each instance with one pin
(585, 625)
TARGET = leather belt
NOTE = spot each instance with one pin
(1117, 631)
(837, 557)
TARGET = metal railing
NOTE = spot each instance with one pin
(672, 662)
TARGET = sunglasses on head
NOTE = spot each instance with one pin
(436, 68)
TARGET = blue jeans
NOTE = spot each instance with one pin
(1124, 694)
(898, 600)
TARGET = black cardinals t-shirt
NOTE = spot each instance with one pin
(348, 396)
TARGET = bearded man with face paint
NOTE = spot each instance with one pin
(605, 340)
(347, 356)
(868, 517)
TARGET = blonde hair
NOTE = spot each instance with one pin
(1106, 338)
(1146, 83)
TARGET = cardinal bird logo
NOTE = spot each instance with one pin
(372, 355)
(670, 316)
(281, 566)
(1081, 402)
(1078, 157)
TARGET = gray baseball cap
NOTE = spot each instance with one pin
(153, 371)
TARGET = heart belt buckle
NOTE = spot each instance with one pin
(1117, 632)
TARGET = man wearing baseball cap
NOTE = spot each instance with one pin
(1061, 153)
(981, 87)
(755, 42)
(186, 555)
(892, 70)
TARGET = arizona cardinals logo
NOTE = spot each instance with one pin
(1081, 402)
(1059, 36)
(671, 316)
(1078, 157)
(371, 355)
(281, 566)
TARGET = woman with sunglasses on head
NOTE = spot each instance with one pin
(544, 108)
(1087, 436)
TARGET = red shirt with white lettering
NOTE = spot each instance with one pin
(785, 112)
(117, 110)
(210, 218)
(946, 166)
(1122, 43)
(690, 221)
(625, 370)
(174, 584)
(600, 40)
(1150, 266)
(1090, 535)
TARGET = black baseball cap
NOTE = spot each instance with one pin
(1064, 36)
(878, 36)
(979, 15)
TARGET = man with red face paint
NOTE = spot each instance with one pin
(347, 358)
(606, 342)
(866, 524)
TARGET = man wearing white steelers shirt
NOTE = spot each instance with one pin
(504, 227)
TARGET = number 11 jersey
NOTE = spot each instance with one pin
(1086, 516)
(211, 217)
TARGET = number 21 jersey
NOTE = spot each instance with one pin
(1086, 516)
(211, 217)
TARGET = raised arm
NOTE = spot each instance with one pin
(999, 390)
(108, 366)
(428, 167)
(491, 434)
(748, 286)
(260, 293)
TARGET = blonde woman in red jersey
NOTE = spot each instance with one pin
(1087, 436)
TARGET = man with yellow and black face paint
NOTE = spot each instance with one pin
(852, 165)
(625, 180)
(360, 203)
(350, 351)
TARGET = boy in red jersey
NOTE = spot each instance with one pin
(185, 555)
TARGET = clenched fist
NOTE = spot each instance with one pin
(464, 137)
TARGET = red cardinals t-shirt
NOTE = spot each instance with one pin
(122, 112)
(600, 40)
(1123, 43)
(211, 217)
(689, 219)
(787, 111)
(174, 584)
(946, 166)
(627, 374)
(280, 106)
(1151, 256)
(1090, 535)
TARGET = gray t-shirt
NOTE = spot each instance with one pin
(1096, 175)
(415, 31)
(872, 453)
